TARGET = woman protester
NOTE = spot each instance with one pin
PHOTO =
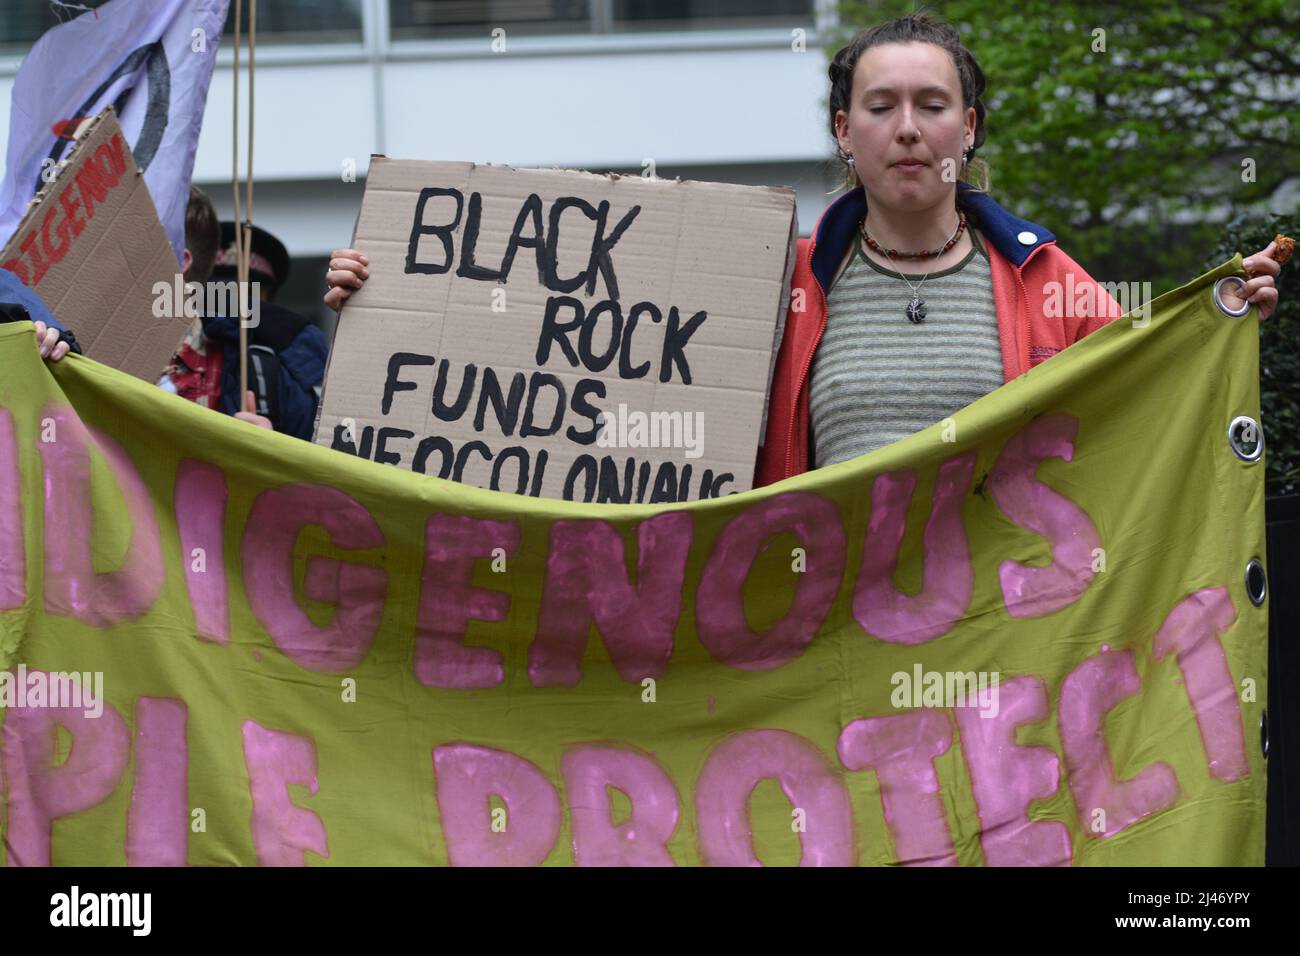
(916, 293)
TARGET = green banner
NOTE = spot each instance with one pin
(1026, 635)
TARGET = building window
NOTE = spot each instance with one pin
(22, 22)
(437, 19)
(708, 14)
(299, 21)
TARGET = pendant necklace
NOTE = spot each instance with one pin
(916, 310)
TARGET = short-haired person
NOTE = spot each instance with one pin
(286, 353)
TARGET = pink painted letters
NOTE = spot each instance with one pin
(901, 749)
(809, 781)
(949, 579)
(587, 582)
(1006, 776)
(641, 839)
(274, 523)
(157, 826)
(41, 792)
(282, 831)
(719, 606)
(1033, 591)
(448, 601)
(1106, 805)
(200, 517)
(73, 587)
(13, 560)
(1192, 632)
(466, 777)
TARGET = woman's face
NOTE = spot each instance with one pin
(906, 103)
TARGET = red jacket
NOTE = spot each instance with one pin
(1024, 260)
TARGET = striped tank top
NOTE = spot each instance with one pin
(877, 377)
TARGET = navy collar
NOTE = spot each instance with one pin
(838, 229)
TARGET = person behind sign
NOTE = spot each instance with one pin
(916, 293)
(286, 353)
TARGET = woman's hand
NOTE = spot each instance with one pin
(1260, 289)
(47, 342)
(249, 414)
(347, 271)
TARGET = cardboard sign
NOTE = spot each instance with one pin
(561, 334)
(92, 247)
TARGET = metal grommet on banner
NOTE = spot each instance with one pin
(1256, 582)
(1234, 313)
(1246, 437)
(1263, 732)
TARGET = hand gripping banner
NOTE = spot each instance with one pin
(1032, 634)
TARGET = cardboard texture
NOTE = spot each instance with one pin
(92, 247)
(506, 309)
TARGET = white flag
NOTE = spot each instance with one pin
(150, 59)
